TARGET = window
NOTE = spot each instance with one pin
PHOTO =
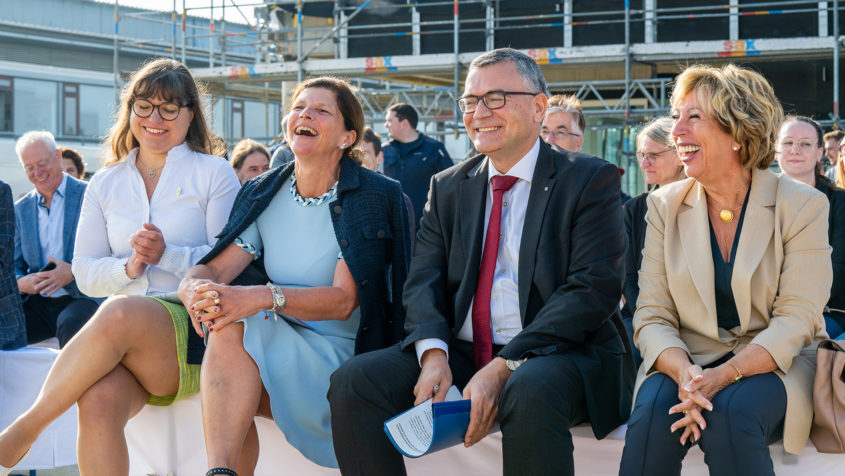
(237, 123)
(6, 89)
(35, 105)
(96, 109)
(70, 109)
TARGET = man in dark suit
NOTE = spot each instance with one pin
(45, 232)
(524, 318)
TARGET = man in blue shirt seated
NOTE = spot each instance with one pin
(45, 230)
(410, 156)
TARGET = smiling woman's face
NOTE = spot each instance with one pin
(316, 125)
(157, 136)
(705, 148)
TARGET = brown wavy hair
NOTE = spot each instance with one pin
(174, 83)
(743, 103)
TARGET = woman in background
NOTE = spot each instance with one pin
(250, 159)
(659, 161)
(800, 148)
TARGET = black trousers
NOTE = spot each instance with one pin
(61, 317)
(747, 417)
(538, 405)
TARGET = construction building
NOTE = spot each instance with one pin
(618, 56)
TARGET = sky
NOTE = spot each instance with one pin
(232, 13)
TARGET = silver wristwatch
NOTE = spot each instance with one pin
(514, 364)
(279, 300)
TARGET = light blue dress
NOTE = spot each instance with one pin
(295, 362)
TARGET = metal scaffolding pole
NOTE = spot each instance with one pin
(836, 61)
(299, 59)
(115, 62)
(184, 39)
(173, 32)
(457, 69)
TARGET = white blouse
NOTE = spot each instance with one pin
(190, 205)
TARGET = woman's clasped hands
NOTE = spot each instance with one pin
(217, 305)
(696, 386)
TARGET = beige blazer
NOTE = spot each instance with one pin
(781, 282)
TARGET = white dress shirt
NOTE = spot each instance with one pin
(51, 224)
(505, 320)
(190, 205)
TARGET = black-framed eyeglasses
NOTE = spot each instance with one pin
(559, 134)
(491, 100)
(651, 156)
(168, 111)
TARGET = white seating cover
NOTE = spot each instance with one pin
(170, 440)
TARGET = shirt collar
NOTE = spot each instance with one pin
(60, 190)
(173, 155)
(523, 169)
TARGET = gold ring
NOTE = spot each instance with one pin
(685, 412)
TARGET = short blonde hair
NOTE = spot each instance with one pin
(742, 102)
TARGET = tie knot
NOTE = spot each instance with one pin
(503, 183)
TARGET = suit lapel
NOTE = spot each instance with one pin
(693, 228)
(473, 197)
(72, 203)
(757, 231)
(31, 248)
(542, 187)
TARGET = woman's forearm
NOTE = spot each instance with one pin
(672, 362)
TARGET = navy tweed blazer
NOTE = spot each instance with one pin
(371, 226)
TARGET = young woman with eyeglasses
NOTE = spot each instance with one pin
(148, 216)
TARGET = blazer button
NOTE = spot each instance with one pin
(380, 233)
(364, 283)
(338, 209)
(344, 243)
(365, 329)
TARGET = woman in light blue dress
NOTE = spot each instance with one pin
(334, 241)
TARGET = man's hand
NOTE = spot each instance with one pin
(483, 390)
(46, 283)
(435, 372)
(29, 284)
(56, 278)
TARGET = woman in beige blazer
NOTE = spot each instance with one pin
(735, 274)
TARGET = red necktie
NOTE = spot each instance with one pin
(482, 338)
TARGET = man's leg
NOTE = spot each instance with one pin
(74, 315)
(40, 314)
(371, 388)
(541, 401)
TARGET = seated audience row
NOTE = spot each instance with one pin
(315, 316)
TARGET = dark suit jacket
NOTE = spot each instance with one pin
(12, 328)
(28, 257)
(836, 236)
(570, 271)
(635, 226)
(371, 225)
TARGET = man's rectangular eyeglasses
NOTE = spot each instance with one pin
(491, 100)
(651, 157)
(167, 110)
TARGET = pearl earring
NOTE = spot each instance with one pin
(735, 148)
(342, 146)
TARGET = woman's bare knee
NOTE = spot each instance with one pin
(114, 399)
(226, 342)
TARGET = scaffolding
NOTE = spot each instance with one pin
(622, 76)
